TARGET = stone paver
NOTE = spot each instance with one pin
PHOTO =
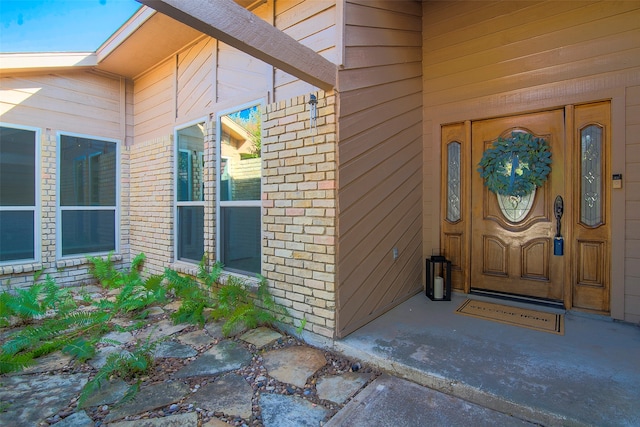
(155, 311)
(162, 329)
(79, 419)
(51, 362)
(173, 305)
(290, 411)
(230, 395)
(214, 329)
(188, 419)
(108, 393)
(223, 391)
(214, 422)
(116, 338)
(223, 357)
(294, 365)
(261, 337)
(338, 388)
(100, 358)
(196, 339)
(174, 349)
(149, 398)
(32, 398)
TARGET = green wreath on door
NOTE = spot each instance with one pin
(517, 165)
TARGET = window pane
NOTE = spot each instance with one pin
(86, 232)
(17, 167)
(16, 235)
(241, 242)
(191, 163)
(453, 182)
(591, 172)
(240, 151)
(190, 233)
(87, 172)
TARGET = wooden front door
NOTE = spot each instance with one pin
(513, 253)
(502, 253)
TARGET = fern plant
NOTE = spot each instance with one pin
(34, 302)
(235, 303)
(193, 298)
(73, 332)
(135, 293)
(126, 365)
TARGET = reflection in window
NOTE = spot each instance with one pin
(17, 194)
(88, 199)
(239, 190)
(453, 181)
(190, 193)
(591, 175)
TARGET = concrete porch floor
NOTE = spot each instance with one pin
(588, 376)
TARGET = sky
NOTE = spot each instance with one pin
(60, 25)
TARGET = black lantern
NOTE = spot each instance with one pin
(438, 286)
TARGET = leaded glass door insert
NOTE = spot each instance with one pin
(591, 175)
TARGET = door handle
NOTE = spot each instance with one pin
(558, 242)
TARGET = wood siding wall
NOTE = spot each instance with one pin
(380, 165)
(79, 102)
(314, 24)
(632, 212)
(494, 58)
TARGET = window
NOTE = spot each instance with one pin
(239, 190)
(190, 193)
(88, 196)
(591, 147)
(19, 224)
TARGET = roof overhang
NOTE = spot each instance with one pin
(145, 40)
(149, 37)
(51, 61)
(234, 25)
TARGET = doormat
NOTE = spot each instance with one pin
(532, 319)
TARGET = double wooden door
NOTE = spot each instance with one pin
(505, 245)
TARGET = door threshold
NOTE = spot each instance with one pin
(518, 299)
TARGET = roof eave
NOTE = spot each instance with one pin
(46, 61)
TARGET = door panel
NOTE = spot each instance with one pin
(516, 257)
(455, 240)
(592, 226)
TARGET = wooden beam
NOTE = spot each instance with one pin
(230, 23)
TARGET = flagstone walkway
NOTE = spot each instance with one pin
(259, 378)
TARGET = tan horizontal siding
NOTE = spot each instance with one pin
(493, 58)
(313, 24)
(78, 102)
(535, 51)
(632, 226)
(380, 166)
(291, 13)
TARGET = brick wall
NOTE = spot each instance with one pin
(299, 209)
(151, 202)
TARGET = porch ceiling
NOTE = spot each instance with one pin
(147, 39)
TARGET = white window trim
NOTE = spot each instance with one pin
(239, 203)
(59, 208)
(176, 204)
(37, 208)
